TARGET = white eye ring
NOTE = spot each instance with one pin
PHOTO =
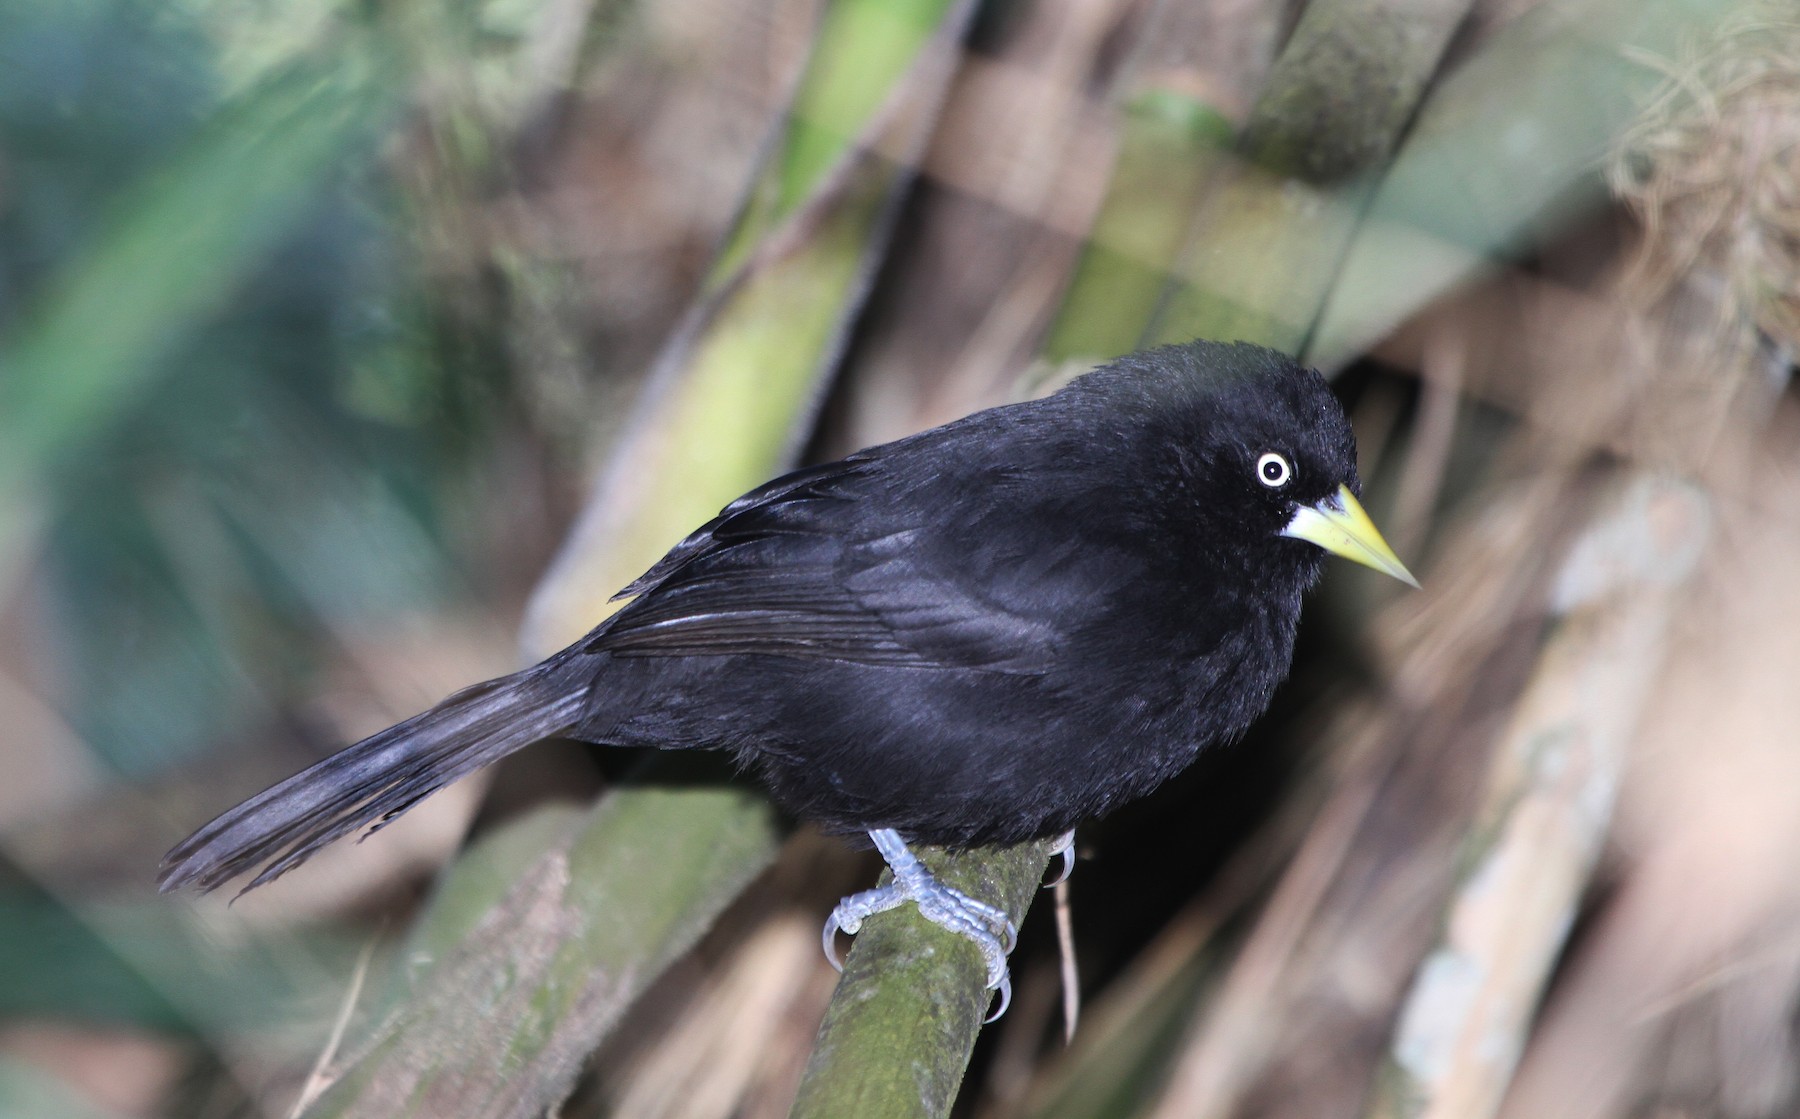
(1274, 471)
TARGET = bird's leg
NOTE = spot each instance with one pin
(989, 928)
(1065, 846)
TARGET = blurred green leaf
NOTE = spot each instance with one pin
(176, 244)
(149, 965)
(221, 394)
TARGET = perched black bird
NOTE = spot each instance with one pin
(982, 634)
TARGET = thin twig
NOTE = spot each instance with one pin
(1445, 362)
(318, 1079)
(1071, 976)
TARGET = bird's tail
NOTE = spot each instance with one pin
(380, 777)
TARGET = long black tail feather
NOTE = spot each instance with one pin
(377, 779)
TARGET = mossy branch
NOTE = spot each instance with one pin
(898, 1035)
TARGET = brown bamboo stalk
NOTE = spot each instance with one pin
(1549, 801)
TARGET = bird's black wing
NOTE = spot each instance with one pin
(848, 561)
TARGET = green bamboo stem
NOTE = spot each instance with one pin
(502, 1023)
(733, 393)
(1347, 82)
(1169, 144)
(1267, 243)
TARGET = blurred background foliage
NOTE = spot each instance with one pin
(349, 349)
(226, 392)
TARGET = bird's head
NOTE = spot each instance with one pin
(1270, 452)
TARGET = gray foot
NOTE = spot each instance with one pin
(988, 928)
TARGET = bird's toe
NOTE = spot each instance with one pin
(852, 911)
(1065, 847)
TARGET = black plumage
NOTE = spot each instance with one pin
(981, 634)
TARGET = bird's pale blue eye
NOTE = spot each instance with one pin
(1273, 470)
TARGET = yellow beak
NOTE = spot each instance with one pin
(1340, 526)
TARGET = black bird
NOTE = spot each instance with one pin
(982, 634)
